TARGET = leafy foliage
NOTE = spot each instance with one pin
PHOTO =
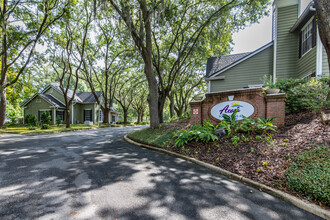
(305, 94)
(45, 118)
(229, 123)
(58, 121)
(45, 126)
(310, 174)
(265, 125)
(31, 120)
(204, 133)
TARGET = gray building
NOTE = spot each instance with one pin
(295, 51)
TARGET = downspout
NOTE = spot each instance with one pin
(275, 46)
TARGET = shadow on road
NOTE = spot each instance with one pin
(98, 175)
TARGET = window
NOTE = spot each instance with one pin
(88, 115)
(60, 113)
(307, 38)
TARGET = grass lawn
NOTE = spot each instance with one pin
(156, 137)
(22, 129)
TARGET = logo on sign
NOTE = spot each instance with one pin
(228, 108)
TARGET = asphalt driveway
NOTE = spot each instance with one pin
(95, 174)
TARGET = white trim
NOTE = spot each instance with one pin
(232, 90)
(307, 75)
(302, 30)
(243, 59)
(209, 86)
(319, 53)
(72, 118)
(215, 78)
(256, 86)
(43, 110)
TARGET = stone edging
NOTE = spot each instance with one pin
(307, 206)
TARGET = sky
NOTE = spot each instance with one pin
(256, 35)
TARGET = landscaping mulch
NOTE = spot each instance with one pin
(262, 162)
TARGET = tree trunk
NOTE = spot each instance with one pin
(68, 116)
(142, 116)
(323, 17)
(138, 117)
(3, 104)
(161, 104)
(106, 115)
(171, 98)
(125, 116)
(153, 93)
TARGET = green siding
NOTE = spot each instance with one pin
(248, 72)
(56, 94)
(33, 107)
(287, 43)
(325, 64)
(307, 63)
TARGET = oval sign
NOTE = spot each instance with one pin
(227, 108)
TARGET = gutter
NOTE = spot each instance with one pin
(304, 17)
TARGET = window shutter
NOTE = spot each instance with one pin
(300, 43)
(314, 33)
(91, 115)
(84, 115)
(38, 115)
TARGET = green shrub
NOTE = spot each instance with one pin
(31, 128)
(45, 118)
(247, 125)
(12, 116)
(204, 133)
(58, 120)
(310, 174)
(229, 123)
(265, 125)
(303, 94)
(313, 94)
(235, 140)
(31, 120)
(45, 126)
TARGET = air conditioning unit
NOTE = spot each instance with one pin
(89, 123)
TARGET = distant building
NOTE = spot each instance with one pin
(84, 107)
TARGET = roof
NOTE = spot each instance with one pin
(52, 100)
(88, 97)
(114, 110)
(69, 93)
(217, 65)
(304, 17)
(48, 98)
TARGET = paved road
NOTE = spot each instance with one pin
(97, 175)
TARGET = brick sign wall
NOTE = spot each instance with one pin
(249, 102)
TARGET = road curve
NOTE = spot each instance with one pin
(95, 174)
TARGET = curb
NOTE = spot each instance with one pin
(307, 206)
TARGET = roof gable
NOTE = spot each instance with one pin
(236, 61)
(215, 64)
(46, 97)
